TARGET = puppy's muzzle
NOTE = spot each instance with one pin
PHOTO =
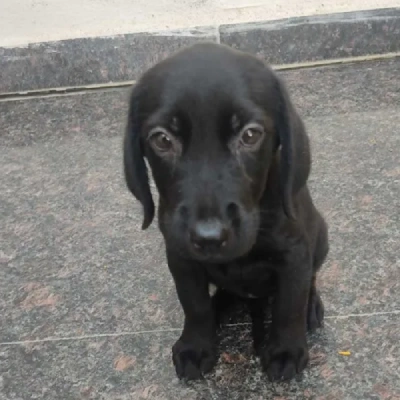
(210, 228)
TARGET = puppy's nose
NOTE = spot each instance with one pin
(209, 235)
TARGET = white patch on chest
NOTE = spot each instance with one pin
(212, 289)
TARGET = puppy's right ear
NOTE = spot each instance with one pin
(135, 169)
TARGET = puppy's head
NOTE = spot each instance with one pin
(223, 142)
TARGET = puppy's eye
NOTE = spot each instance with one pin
(251, 135)
(161, 141)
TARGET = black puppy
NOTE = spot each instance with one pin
(230, 158)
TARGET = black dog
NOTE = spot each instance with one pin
(230, 158)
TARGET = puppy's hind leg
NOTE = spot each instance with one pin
(257, 313)
(223, 302)
(315, 313)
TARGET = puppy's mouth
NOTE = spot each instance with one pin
(219, 258)
(233, 248)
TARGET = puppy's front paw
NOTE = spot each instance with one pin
(284, 361)
(192, 360)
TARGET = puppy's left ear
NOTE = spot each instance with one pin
(135, 169)
(295, 160)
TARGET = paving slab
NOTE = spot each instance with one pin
(139, 367)
(329, 90)
(87, 305)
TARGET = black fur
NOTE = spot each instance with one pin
(234, 214)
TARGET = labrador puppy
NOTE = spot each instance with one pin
(230, 158)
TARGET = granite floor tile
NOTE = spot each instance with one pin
(74, 260)
(73, 257)
(315, 91)
(52, 119)
(356, 184)
(139, 367)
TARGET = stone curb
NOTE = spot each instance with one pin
(103, 60)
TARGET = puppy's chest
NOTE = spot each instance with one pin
(246, 278)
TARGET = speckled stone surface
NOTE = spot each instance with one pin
(139, 367)
(319, 37)
(80, 279)
(316, 92)
(90, 60)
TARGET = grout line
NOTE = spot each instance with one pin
(333, 317)
(372, 314)
(156, 331)
(336, 61)
(218, 34)
(62, 91)
(68, 90)
(85, 337)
